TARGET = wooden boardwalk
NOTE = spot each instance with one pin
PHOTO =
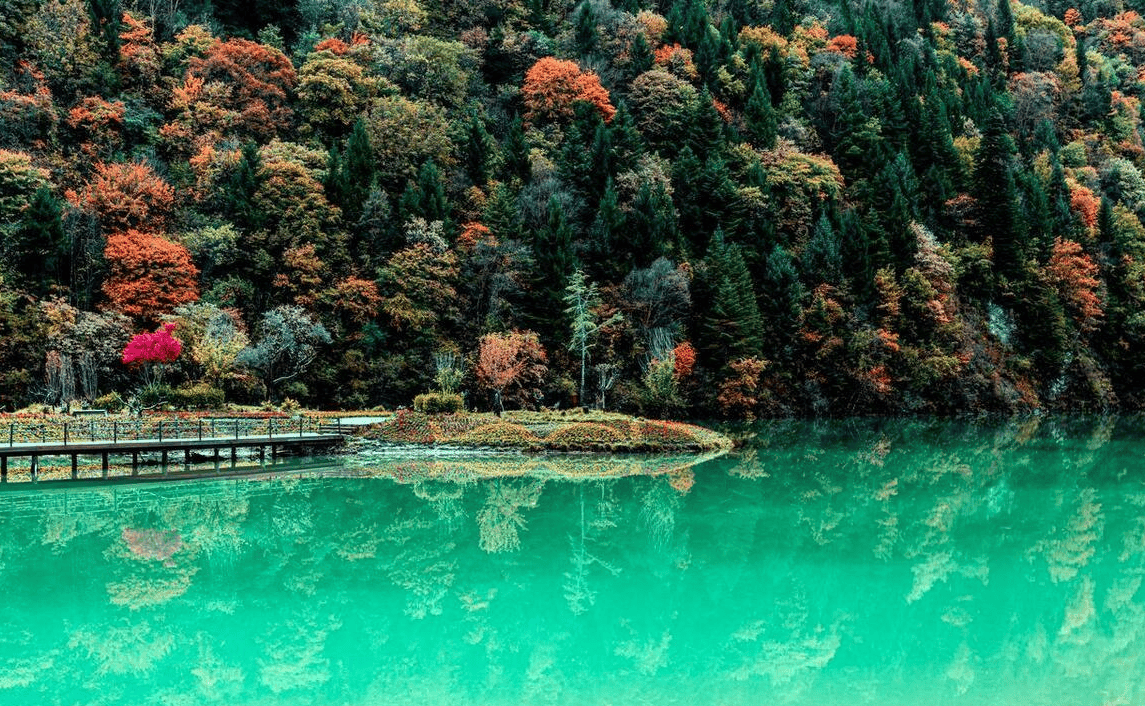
(164, 447)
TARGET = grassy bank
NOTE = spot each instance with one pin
(547, 431)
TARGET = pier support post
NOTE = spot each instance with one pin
(75, 464)
(35, 468)
(186, 459)
(134, 463)
(3, 469)
(234, 455)
(164, 460)
(104, 464)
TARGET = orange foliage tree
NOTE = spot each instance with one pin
(149, 276)
(240, 87)
(1074, 275)
(510, 360)
(1085, 204)
(129, 196)
(552, 86)
(99, 125)
(739, 392)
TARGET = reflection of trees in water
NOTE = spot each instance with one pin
(1071, 547)
(788, 648)
(648, 655)
(446, 499)
(16, 672)
(216, 679)
(129, 649)
(577, 591)
(293, 655)
(544, 682)
(151, 566)
(658, 507)
(500, 518)
(422, 565)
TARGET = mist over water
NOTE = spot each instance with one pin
(843, 562)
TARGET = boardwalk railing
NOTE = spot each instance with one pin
(117, 430)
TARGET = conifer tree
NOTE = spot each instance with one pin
(42, 250)
(359, 173)
(734, 327)
(244, 183)
(759, 116)
(479, 149)
(515, 163)
(996, 195)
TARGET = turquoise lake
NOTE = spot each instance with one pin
(843, 562)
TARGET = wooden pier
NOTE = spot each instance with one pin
(190, 447)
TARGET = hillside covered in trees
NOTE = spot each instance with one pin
(679, 207)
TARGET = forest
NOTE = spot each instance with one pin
(682, 208)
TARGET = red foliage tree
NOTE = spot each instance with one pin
(149, 276)
(129, 196)
(1085, 204)
(844, 44)
(251, 85)
(739, 392)
(552, 86)
(1074, 275)
(684, 356)
(99, 124)
(158, 347)
(510, 360)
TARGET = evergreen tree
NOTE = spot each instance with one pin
(823, 256)
(241, 187)
(581, 301)
(501, 215)
(759, 116)
(733, 327)
(640, 56)
(42, 250)
(555, 261)
(996, 195)
(360, 172)
(606, 231)
(585, 32)
(651, 227)
(782, 304)
(515, 163)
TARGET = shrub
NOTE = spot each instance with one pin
(198, 396)
(670, 434)
(501, 434)
(112, 402)
(438, 403)
(406, 427)
(586, 435)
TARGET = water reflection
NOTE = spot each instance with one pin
(826, 563)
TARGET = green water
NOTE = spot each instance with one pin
(834, 563)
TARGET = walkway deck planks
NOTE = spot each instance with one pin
(105, 448)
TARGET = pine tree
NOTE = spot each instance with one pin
(244, 183)
(42, 250)
(479, 148)
(581, 300)
(996, 195)
(585, 31)
(734, 327)
(501, 215)
(759, 116)
(515, 163)
(359, 173)
(607, 230)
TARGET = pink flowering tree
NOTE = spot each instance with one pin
(151, 352)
